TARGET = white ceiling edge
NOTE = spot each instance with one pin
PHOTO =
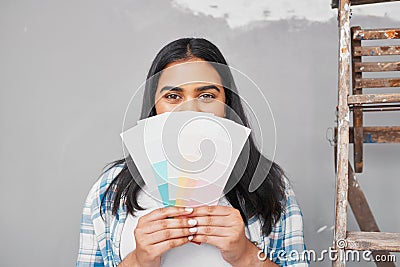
(239, 13)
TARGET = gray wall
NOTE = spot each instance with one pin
(68, 69)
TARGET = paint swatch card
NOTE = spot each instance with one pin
(185, 158)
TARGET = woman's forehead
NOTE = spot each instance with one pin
(176, 74)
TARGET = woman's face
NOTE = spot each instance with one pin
(190, 85)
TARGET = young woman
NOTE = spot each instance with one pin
(122, 226)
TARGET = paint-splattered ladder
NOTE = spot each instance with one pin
(352, 65)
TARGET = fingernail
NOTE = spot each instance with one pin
(193, 230)
(190, 238)
(192, 222)
(189, 210)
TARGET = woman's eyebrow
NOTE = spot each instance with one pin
(206, 87)
(171, 88)
(179, 89)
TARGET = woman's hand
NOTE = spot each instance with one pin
(158, 232)
(223, 227)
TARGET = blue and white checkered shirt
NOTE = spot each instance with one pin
(100, 238)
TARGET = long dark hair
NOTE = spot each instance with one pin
(267, 201)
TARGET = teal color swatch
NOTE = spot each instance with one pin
(160, 170)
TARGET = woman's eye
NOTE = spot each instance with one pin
(206, 96)
(172, 96)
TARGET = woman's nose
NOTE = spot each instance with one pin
(189, 105)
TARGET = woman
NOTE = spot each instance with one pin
(121, 225)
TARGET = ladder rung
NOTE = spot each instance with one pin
(376, 34)
(376, 66)
(335, 3)
(377, 134)
(373, 98)
(376, 50)
(373, 241)
(377, 82)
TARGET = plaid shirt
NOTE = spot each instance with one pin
(100, 238)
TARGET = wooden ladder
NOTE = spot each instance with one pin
(348, 190)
